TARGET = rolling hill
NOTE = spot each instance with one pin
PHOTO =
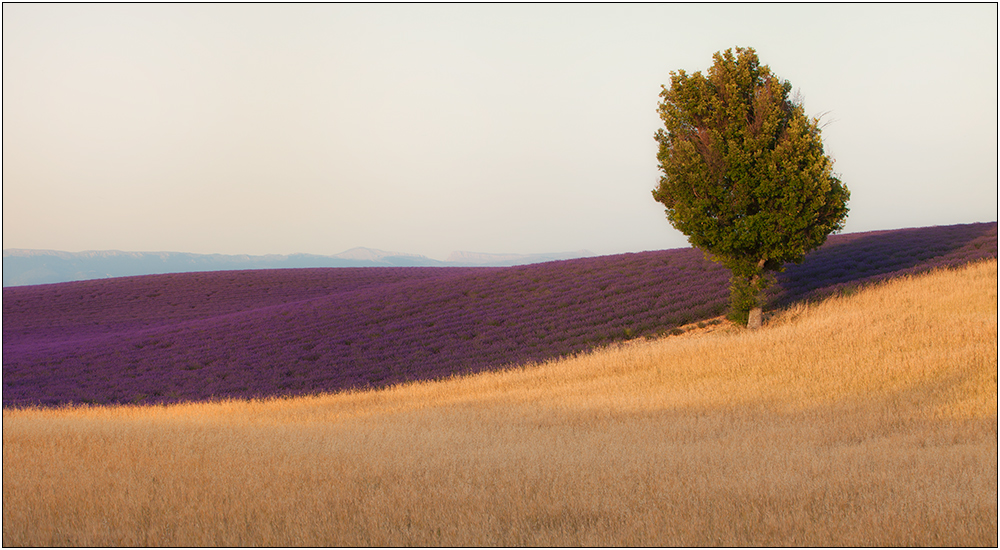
(257, 333)
(868, 419)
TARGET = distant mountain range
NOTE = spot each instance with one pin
(33, 267)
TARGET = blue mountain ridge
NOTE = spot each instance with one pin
(32, 267)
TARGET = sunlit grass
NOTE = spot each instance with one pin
(863, 420)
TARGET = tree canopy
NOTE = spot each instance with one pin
(745, 176)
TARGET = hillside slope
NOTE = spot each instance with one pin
(865, 420)
(198, 336)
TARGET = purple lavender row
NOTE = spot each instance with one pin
(853, 260)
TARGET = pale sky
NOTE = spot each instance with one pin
(510, 128)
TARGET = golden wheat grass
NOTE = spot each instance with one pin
(863, 420)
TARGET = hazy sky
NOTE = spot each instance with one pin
(256, 129)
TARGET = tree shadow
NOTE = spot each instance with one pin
(852, 260)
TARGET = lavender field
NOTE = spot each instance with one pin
(238, 334)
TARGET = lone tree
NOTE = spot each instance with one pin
(744, 173)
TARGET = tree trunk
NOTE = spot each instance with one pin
(756, 315)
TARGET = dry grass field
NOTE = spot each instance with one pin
(868, 419)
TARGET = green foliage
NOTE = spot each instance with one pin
(745, 176)
(746, 294)
(741, 300)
